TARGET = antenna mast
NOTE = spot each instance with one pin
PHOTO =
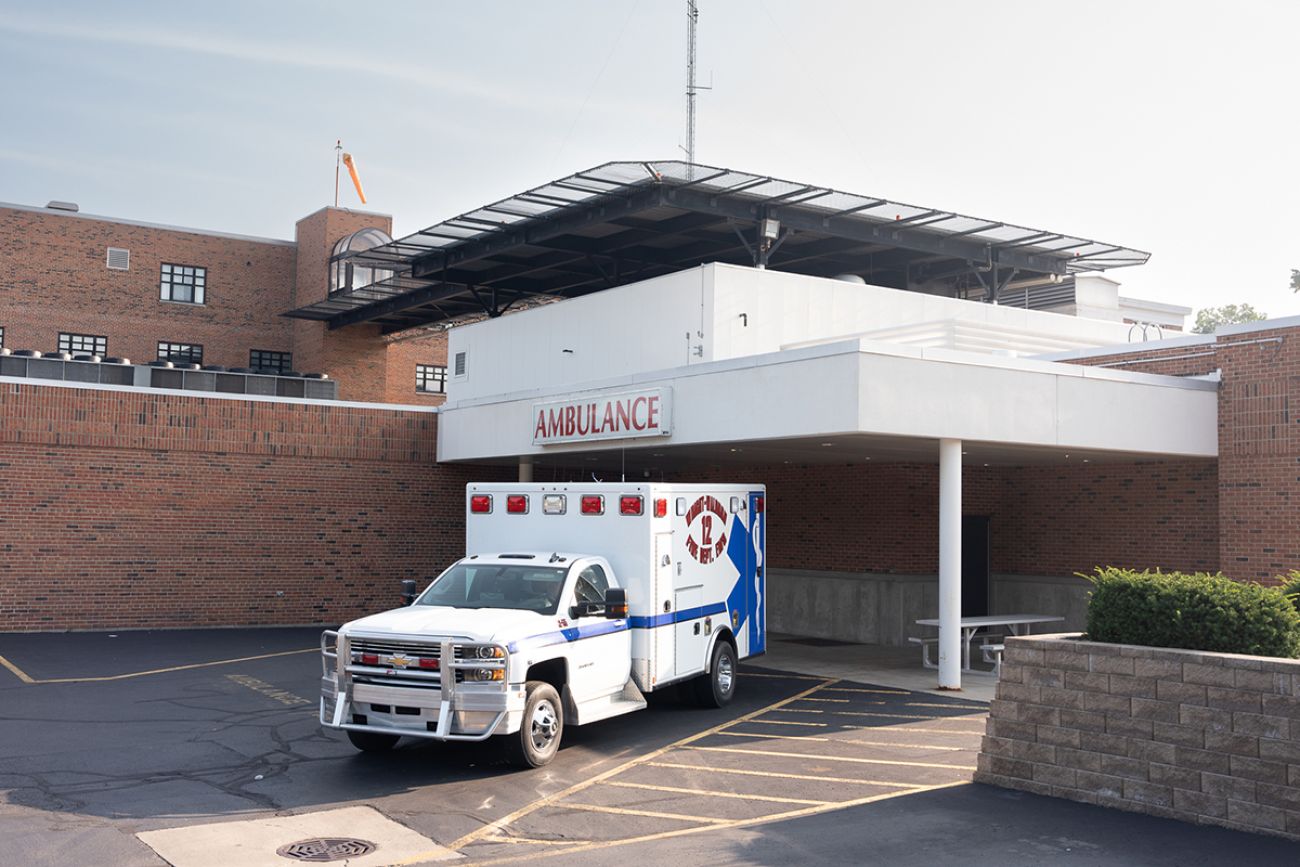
(692, 16)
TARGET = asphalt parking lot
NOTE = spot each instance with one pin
(103, 737)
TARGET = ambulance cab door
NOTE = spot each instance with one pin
(600, 653)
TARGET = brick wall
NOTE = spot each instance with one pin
(1259, 442)
(367, 365)
(135, 509)
(1044, 520)
(1212, 738)
(53, 278)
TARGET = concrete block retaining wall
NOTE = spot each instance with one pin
(1211, 738)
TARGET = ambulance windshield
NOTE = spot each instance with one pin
(497, 585)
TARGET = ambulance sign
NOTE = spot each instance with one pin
(625, 415)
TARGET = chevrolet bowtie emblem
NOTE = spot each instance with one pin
(399, 661)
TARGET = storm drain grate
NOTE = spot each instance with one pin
(319, 849)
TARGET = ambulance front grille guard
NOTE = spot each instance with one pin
(338, 679)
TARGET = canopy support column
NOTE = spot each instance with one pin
(525, 469)
(950, 656)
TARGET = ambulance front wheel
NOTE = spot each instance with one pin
(538, 738)
(718, 686)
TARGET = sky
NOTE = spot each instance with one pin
(1170, 127)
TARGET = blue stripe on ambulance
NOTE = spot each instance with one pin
(672, 617)
(573, 633)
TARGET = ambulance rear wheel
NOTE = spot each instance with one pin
(372, 742)
(718, 686)
(538, 738)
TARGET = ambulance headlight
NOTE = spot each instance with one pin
(482, 651)
(484, 675)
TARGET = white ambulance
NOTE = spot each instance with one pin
(572, 602)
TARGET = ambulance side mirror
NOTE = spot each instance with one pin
(408, 591)
(615, 603)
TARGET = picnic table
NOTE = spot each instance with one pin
(971, 625)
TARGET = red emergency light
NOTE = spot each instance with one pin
(630, 504)
(369, 659)
(593, 504)
(661, 507)
(517, 504)
(480, 504)
(426, 662)
(758, 505)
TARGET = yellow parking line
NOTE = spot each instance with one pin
(786, 722)
(25, 678)
(712, 794)
(945, 706)
(906, 728)
(18, 672)
(781, 676)
(749, 773)
(775, 737)
(829, 700)
(821, 758)
(800, 710)
(738, 823)
(625, 811)
(501, 838)
(907, 746)
(496, 826)
(875, 691)
(881, 713)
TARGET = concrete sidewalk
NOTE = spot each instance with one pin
(898, 667)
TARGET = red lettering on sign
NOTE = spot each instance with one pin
(628, 415)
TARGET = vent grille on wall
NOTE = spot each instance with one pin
(460, 364)
(119, 259)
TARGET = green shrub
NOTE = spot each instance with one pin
(1195, 612)
(1291, 586)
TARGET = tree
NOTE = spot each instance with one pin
(1295, 280)
(1229, 314)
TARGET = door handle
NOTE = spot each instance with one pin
(697, 627)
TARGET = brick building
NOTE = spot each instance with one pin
(946, 410)
(92, 285)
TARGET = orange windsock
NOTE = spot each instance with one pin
(356, 179)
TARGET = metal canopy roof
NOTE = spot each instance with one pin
(628, 221)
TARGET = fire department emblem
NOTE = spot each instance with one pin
(706, 529)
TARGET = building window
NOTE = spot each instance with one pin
(85, 344)
(184, 283)
(2, 338)
(188, 353)
(431, 377)
(263, 360)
